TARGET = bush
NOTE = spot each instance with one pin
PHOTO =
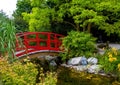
(18, 73)
(50, 78)
(78, 44)
(110, 61)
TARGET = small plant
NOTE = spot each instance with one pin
(50, 78)
(78, 44)
(7, 39)
(110, 61)
(18, 73)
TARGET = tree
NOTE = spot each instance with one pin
(22, 6)
(79, 14)
(3, 17)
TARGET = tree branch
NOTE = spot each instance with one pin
(70, 24)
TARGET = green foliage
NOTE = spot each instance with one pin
(3, 17)
(110, 61)
(79, 14)
(78, 44)
(7, 36)
(47, 79)
(17, 73)
(21, 6)
(38, 20)
(37, 23)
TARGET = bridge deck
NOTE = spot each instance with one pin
(38, 54)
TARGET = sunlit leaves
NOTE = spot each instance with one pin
(21, 6)
(17, 73)
(24, 73)
(37, 3)
(80, 14)
(39, 18)
(78, 44)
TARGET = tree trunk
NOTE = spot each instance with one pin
(89, 27)
(70, 24)
(83, 28)
(77, 27)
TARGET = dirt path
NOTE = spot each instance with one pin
(115, 45)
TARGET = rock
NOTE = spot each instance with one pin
(58, 60)
(41, 57)
(77, 61)
(53, 63)
(102, 45)
(74, 61)
(101, 51)
(83, 61)
(65, 65)
(80, 68)
(94, 68)
(49, 58)
(92, 60)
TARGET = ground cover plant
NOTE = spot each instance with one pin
(18, 73)
(110, 61)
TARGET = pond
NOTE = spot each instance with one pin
(68, 76)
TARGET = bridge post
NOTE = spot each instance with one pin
(48, 41)
(37, 40)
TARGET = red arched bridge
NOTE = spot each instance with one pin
(33, 42)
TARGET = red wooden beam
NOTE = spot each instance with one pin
(32, 40)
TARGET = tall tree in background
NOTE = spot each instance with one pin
(78, 14)
(22, 6)
(3, 16)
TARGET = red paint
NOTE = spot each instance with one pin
(37, 41)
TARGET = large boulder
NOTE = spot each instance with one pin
(94, 68)
(92, 60)
(77, 61)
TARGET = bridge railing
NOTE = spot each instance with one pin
(38, 41)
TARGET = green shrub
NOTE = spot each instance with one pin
(78, 44)
(50, 78)
(17, 73)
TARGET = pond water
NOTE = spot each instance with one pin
(68, 76)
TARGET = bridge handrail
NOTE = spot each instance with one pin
(51, 42)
